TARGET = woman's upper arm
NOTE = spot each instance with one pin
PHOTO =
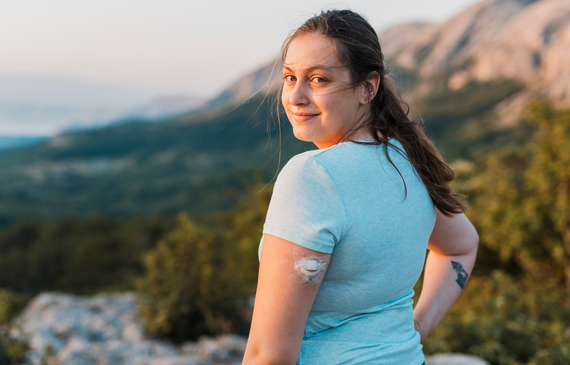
(453, 235)
(283, 300)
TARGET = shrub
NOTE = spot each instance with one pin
(13, 348)
(191, 287)
(508, 321)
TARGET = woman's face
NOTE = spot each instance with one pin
(318, 96)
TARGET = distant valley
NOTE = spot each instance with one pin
(469, 78)
(35, 106)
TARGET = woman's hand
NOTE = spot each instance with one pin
(453, 248)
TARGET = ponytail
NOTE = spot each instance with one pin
(389, 119)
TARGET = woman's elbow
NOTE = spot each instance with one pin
(469, 238)
(474, 241)
(259, 357)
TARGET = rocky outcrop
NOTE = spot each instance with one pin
(523, 40)
(454, 359)
(105, 329)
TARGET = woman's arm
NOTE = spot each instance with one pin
(282, 303)
(453, 248)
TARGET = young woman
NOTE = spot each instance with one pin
(348, 225)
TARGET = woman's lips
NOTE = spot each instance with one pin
(304, 117)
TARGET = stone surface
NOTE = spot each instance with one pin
(106, 330)
(454, 359)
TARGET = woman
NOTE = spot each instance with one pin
(348, 225)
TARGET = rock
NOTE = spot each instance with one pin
(454, 359)
(226, 349)
(105, 329)
(193, 360)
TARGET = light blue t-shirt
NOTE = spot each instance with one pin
(348, 200)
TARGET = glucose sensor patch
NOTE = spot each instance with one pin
(309, 270)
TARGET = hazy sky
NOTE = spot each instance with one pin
(170, 46)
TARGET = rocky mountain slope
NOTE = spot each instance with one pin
(522, 40)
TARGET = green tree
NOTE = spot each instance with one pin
(242, 228)
(191, 287)
(507, 321)
(78, 255)
(521, 197)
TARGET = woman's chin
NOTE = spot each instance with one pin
(302, 136)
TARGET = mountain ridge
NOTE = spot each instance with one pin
(525, 41)
(459, 46)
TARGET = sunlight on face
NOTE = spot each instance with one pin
(318, 96)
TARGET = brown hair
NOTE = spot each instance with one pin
(359, 50)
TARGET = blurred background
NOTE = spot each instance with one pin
(139, 143)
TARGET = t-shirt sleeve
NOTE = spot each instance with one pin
(305, 207)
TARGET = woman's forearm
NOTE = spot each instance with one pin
(444, 278)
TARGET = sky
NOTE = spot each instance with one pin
(170, 47)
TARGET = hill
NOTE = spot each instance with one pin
(184, 164)
(450, 72)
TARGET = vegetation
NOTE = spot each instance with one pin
(508, 321)
(462, 123)
(183, 164)
(196, 273)
(521, 197)
(77, 255)
(141, 168)
(190, 287)
(521, 207)
(201, 282)
(13, 348)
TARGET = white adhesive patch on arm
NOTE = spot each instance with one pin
(309, 269)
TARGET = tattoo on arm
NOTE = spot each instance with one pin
(461, 274)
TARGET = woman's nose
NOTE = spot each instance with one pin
(299, 94)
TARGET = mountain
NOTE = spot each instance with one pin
(259, 82)
(519, 40)
(197, 161)
(471, 76)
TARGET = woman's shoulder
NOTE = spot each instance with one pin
(316, 162)
(322, 155)
(302, 166)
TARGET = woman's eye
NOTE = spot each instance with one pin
(319, 80)
(290, 78)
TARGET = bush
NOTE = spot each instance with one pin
(77, 255)
(508, 321)
(191, 287)
(13, 349)
(520, 205)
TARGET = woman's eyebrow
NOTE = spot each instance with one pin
(312, 68)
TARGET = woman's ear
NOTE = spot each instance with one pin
(371, 85)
